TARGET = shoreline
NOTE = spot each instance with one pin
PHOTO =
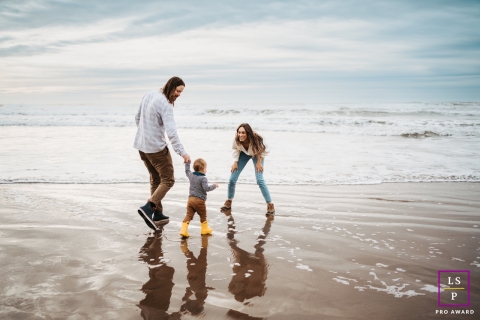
(248, 183)
(331, 252)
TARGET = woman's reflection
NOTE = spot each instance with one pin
(250, 269)
(197, 269)
(158, 289)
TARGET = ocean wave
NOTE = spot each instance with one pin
(425, 134)
(367, 128)
(471, 109)
(406, 120)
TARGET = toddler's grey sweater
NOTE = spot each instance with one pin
(198, 183)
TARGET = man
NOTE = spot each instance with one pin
(155, 120)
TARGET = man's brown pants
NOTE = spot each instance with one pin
(160, 167)
(197, 205)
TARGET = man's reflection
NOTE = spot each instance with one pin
(158, 289)
(197, 269)
(250, 269)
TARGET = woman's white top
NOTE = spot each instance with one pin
(237, 148)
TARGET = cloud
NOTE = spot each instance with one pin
(106, 47)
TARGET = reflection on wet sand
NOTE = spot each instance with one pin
(197, 268)
(250, 269)
(158, 289)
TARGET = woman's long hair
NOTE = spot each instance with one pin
(169, 88)
(256, 140)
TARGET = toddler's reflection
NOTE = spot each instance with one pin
(197, 269)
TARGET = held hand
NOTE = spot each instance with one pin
(216, 185)
(259, 167)
(234, 167)
(186, 158)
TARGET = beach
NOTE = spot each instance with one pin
(81, 251)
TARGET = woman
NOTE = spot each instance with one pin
(248, 145)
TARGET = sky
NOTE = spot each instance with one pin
(113, 52)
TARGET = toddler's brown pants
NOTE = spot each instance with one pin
(197, 205)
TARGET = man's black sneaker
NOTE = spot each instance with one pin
(146, 212)
(160, 218)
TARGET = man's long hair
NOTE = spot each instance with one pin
(169, 88)
(256, 140)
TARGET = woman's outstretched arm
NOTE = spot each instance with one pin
(259, 166)
(234, 167)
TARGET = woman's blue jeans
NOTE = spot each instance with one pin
(242, 161)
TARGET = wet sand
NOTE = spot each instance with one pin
(331, 252)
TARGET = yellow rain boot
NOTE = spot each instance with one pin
(205, 228)
(184, 230)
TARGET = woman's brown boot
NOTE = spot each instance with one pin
(227, 205)
(270, 208)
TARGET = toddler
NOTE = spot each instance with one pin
(197, 196)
